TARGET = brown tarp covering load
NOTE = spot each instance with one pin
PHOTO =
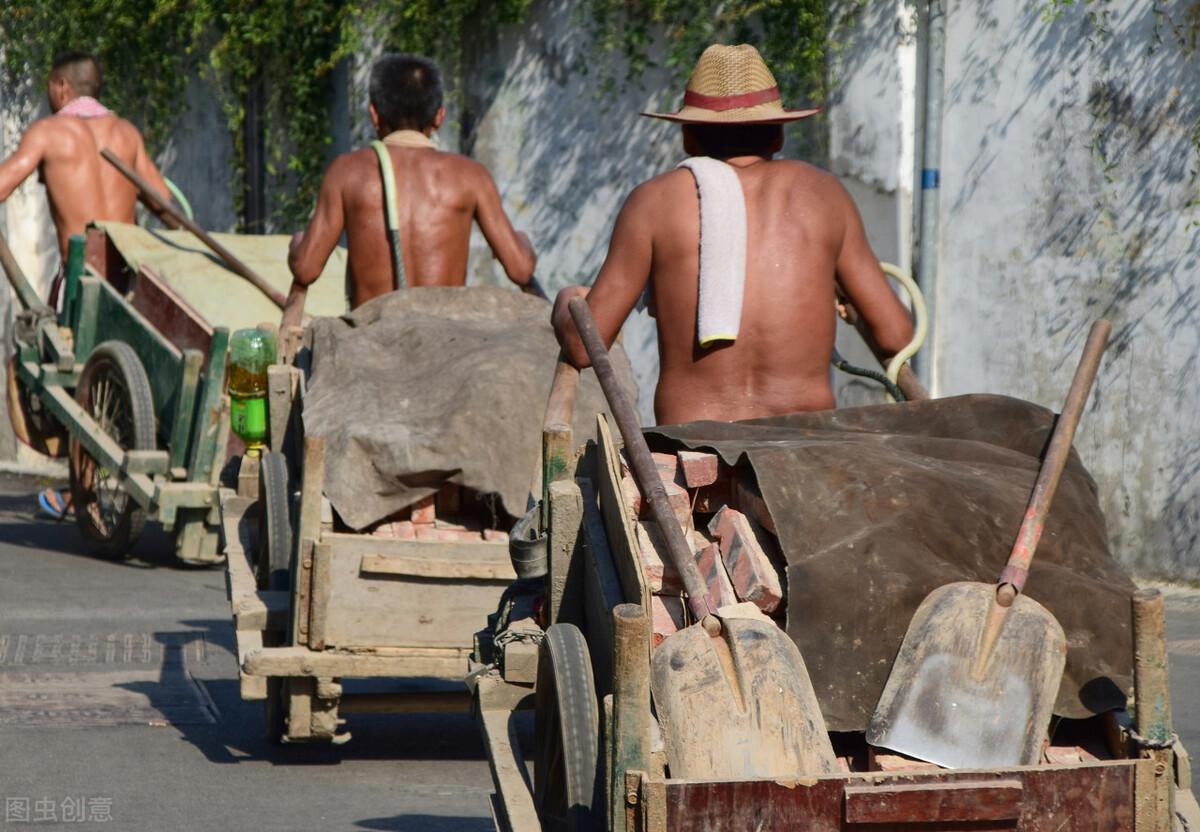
(877, 506)
(433, 385)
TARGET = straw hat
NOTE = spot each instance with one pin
(732, 85)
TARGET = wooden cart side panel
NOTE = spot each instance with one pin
(618, 523)
(171, 315)
(180, 441)
(1090, 797)
(602, 590)
(102, 257)
(441, 607)
(117, 320)
(211, 426)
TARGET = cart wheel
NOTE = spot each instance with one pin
(567, 734)
(114, 390)
(274, 523)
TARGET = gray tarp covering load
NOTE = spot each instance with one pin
(433, 385)
(877, 506)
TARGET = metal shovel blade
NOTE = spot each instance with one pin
(739, 705)
(935, 706)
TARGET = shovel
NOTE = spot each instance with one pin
(977, 675)
(732, 692)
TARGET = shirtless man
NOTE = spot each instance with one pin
(81, 186)
(438, 195)
(65, 148)
(805, 248)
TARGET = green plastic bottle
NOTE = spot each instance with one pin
(251, 352)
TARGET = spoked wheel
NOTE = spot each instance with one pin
(274, 523)
(567, 784)
(113, 390)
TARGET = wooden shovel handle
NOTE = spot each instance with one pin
(642, 464)
(1012, 579)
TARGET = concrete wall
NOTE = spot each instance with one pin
(1068, 193)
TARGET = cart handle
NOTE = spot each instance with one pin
(22, 288)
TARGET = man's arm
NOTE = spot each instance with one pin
(620, 283)
(310, 250)
(864, 284)
(16, 168)
(512, 248)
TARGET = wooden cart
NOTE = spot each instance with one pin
(129, 383)
(313, 606)
(595, 763)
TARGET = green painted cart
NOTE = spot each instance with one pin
(127, 381)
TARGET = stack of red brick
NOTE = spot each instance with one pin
(452, 514)
(722, 513)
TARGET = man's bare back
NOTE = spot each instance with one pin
(80, 185)
(805, 245)
(438, 196)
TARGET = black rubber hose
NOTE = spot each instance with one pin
(874, 375)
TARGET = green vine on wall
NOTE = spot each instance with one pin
(149, 49)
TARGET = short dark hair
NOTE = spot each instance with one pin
(81, 69)
(406, 91)
(725, 140)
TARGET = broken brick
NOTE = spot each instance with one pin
(699, 469)
(712, 570)
(423, 511)
(666, 616)
(751, 571)
(495, 535)
(653, 557)
(750, 502)
(427, 531)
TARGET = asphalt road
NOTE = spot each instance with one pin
(119, 707)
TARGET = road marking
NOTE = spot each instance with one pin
(103, 649)
(167, 696)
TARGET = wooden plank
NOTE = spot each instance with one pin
(102, 257)
(308, 533)
(1053, 799)
(98, 443)
(558, 441)
(319, 604)
(179, 442)
(368, 611)
(933, 802)
(279, 403)
(514, 791)
(423, 567)
(252, 688)
(618, 521)
(171, 315)
(602, 590)
(211, 430)
(435, 663)
(566, 566)
(365, 544)
(86, 313)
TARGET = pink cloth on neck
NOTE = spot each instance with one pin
(84, 107)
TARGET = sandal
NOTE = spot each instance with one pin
(53, 505)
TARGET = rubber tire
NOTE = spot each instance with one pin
(274, 523)
(568, 720)
(141, 407)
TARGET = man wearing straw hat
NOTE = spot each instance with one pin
(743, 256)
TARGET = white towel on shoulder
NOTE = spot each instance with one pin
(722, 249)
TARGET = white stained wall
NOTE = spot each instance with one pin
(564, 155)
(1069, 193)
(871, 138)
